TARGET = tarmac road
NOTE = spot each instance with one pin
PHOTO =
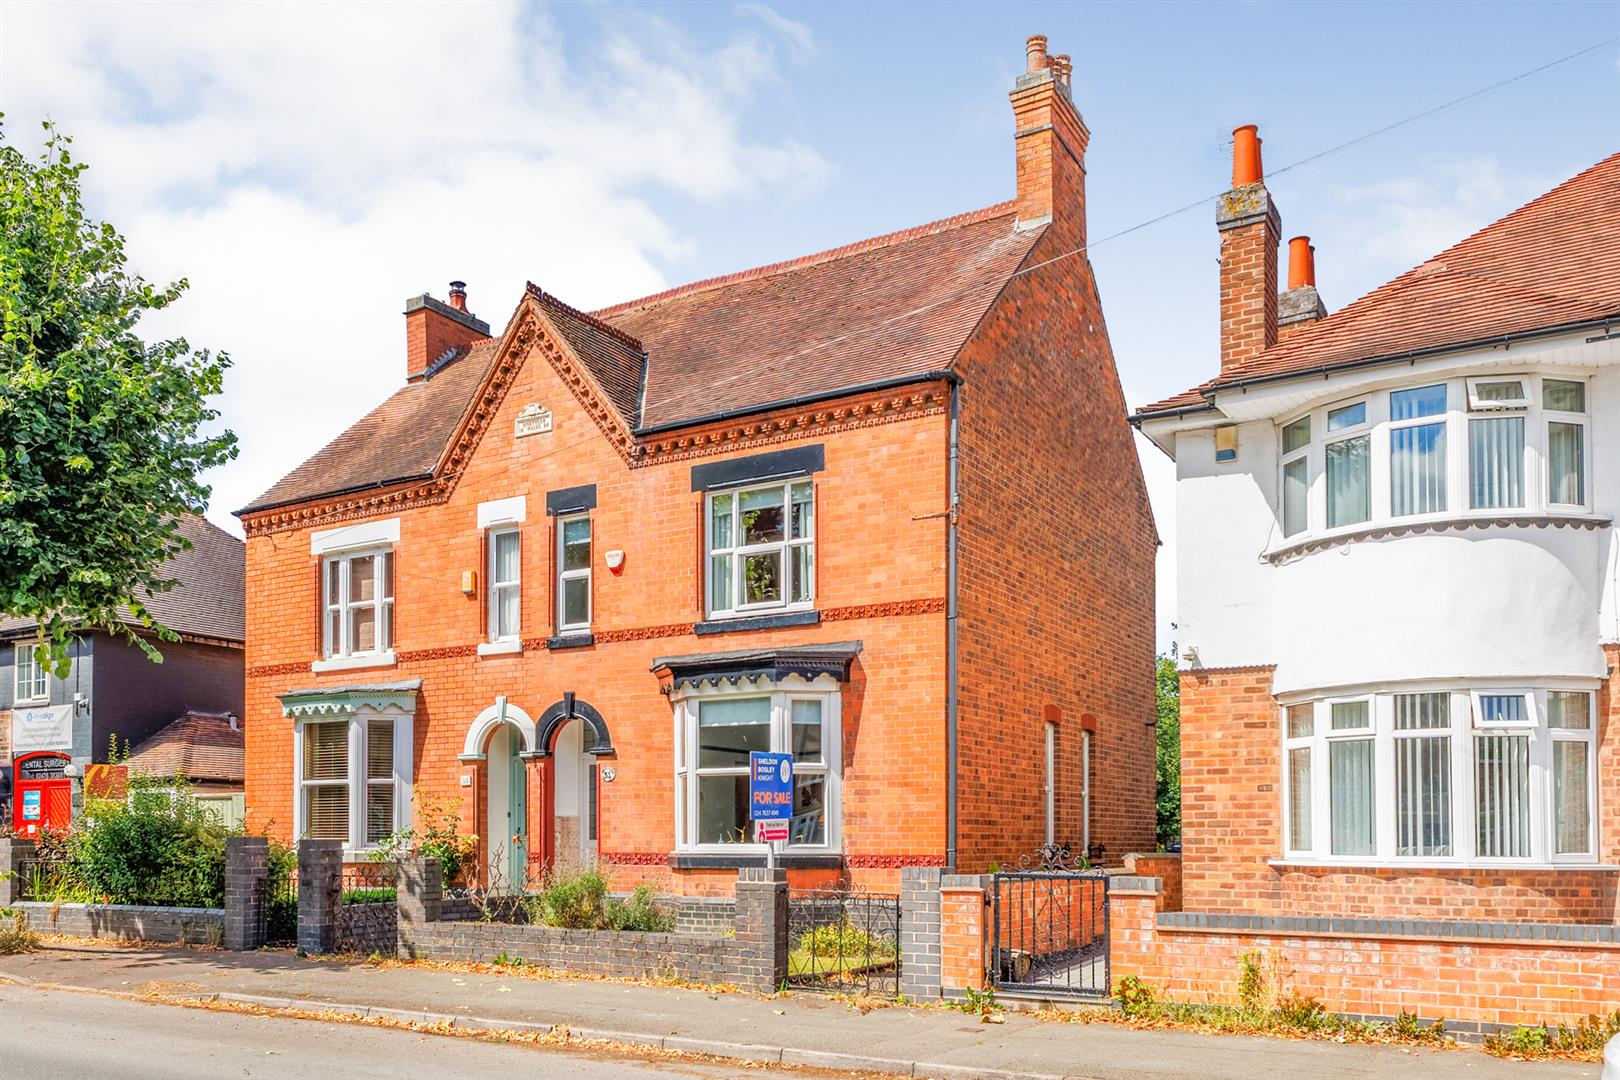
(49, 1034)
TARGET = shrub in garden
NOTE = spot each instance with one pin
(579, 901)
(435, 836)
(1136, 998)
(161, 847)
(843, 939)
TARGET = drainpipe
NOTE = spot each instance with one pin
(951, 702)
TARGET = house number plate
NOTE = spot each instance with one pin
(608, 773)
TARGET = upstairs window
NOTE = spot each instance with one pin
(574, 574)
(505, 585)
(1464, 446)
(761, 548)
(359, 604)
(33, 681)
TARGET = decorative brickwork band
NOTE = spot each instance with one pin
(634, 858)
(891, 862)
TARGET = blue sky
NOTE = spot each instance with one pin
(310, 166)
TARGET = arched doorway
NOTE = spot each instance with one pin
(572, 736)
(503, 738)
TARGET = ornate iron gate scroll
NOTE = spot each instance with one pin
(1049, 930)
(844, 939)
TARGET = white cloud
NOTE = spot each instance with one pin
(797, 34)
(309, 167)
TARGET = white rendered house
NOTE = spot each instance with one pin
(1399, 589)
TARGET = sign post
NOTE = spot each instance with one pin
(770, 799)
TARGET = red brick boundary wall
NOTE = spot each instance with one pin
(1476, 976)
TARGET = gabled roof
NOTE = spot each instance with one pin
(197, 746)
(210, 600)
(887, 309)
(1552, 263)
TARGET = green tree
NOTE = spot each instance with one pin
(101, 433)
(1167, 784)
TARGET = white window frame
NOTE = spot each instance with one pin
(357, 781)
(564, 576)
(1462, 405)
(782, 694)
(1464, 725)
(1582, 420)
(38, 689)
(1479, 404)
(496, 587)
(344, 607)
(738, 551)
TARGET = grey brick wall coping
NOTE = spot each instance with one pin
(1592, 935)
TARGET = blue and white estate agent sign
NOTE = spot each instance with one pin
(47, 728)
(770, 786)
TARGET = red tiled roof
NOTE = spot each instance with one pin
(197, 746)
(889, 308)
(1553, 262)
(401, 439)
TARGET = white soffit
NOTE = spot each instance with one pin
(1276, 399)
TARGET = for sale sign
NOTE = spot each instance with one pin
(770, 786)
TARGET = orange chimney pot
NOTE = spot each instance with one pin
(1246, 156)
(1301, 263)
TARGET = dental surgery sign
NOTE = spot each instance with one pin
(770, 786)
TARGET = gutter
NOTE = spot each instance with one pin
(803, 399)
(1605, 324)
(952, 703)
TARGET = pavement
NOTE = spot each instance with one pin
(52, 1033)
(801, 1030)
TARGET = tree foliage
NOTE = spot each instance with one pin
(101, 433)
(1167, 784)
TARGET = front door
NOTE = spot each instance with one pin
(507, 838)
(517, 820)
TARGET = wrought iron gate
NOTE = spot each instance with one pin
(844, 939)
(1049, 931)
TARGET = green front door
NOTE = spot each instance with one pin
(517, 796)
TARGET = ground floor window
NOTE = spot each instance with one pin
(1472, 775)
(716, 729)
(353, 778)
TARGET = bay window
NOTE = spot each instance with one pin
(761, 548)
(353, 778)
(1452, 776)
(358, 600)
(1460, 446)
(715, 732)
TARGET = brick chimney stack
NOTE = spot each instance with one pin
(433, 329)
(1050, 145)
(1300, 305)
(1250, 226)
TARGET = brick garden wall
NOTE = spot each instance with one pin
(191, 926)
(694, 957)
(1232, 817)
(1476, 976)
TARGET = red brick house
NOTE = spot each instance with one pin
(877, 506)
